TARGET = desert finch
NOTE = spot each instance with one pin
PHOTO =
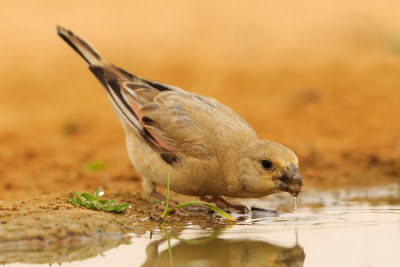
(205, 147)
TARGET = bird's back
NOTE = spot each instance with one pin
(169, 130)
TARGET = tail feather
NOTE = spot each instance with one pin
(120, 86)
(85, 50)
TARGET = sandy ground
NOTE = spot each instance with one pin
(320, 77)
(48, 229)
(317, 77)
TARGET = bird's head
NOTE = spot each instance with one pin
(267, 167)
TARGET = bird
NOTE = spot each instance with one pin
(212, 251)
(207, 149)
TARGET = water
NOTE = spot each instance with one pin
(100, 192)
(342, 232)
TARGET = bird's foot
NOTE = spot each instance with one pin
(222, 203)
(161, 197)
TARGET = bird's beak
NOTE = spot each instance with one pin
(290, 180)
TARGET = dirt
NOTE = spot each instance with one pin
(49, 229)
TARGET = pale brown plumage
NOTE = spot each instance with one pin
(205, 147)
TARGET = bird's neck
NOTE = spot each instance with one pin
(230, 168)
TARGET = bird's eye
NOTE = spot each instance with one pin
(267, 164)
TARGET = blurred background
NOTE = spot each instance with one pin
(322, 77)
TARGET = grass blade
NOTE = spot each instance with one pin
(166, 208)
(167, 193)
(220, 212)
(210, 206)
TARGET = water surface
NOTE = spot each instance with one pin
(352, 230)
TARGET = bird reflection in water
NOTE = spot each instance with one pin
(214, 251)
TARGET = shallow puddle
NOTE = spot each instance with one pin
(352, 231)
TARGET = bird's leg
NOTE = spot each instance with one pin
(152, 248)
(157, 195)
(224, 204)
(161, 197)
(150, 189)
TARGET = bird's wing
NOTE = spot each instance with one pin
(133, 98)
(148, 108)
(192, 124)
(172, 121)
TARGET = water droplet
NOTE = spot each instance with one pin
(100, 192)
(295, 204)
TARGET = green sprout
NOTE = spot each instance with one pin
(92, 201)
(168, 210)
(94, 166)
(171, 259)
(394, 45)
(70, 128)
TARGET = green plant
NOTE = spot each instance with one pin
(168, 210)
(394, 45)
(94, 166)
(70, 128)
(92, 201)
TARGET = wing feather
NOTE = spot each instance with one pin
(172, 121)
